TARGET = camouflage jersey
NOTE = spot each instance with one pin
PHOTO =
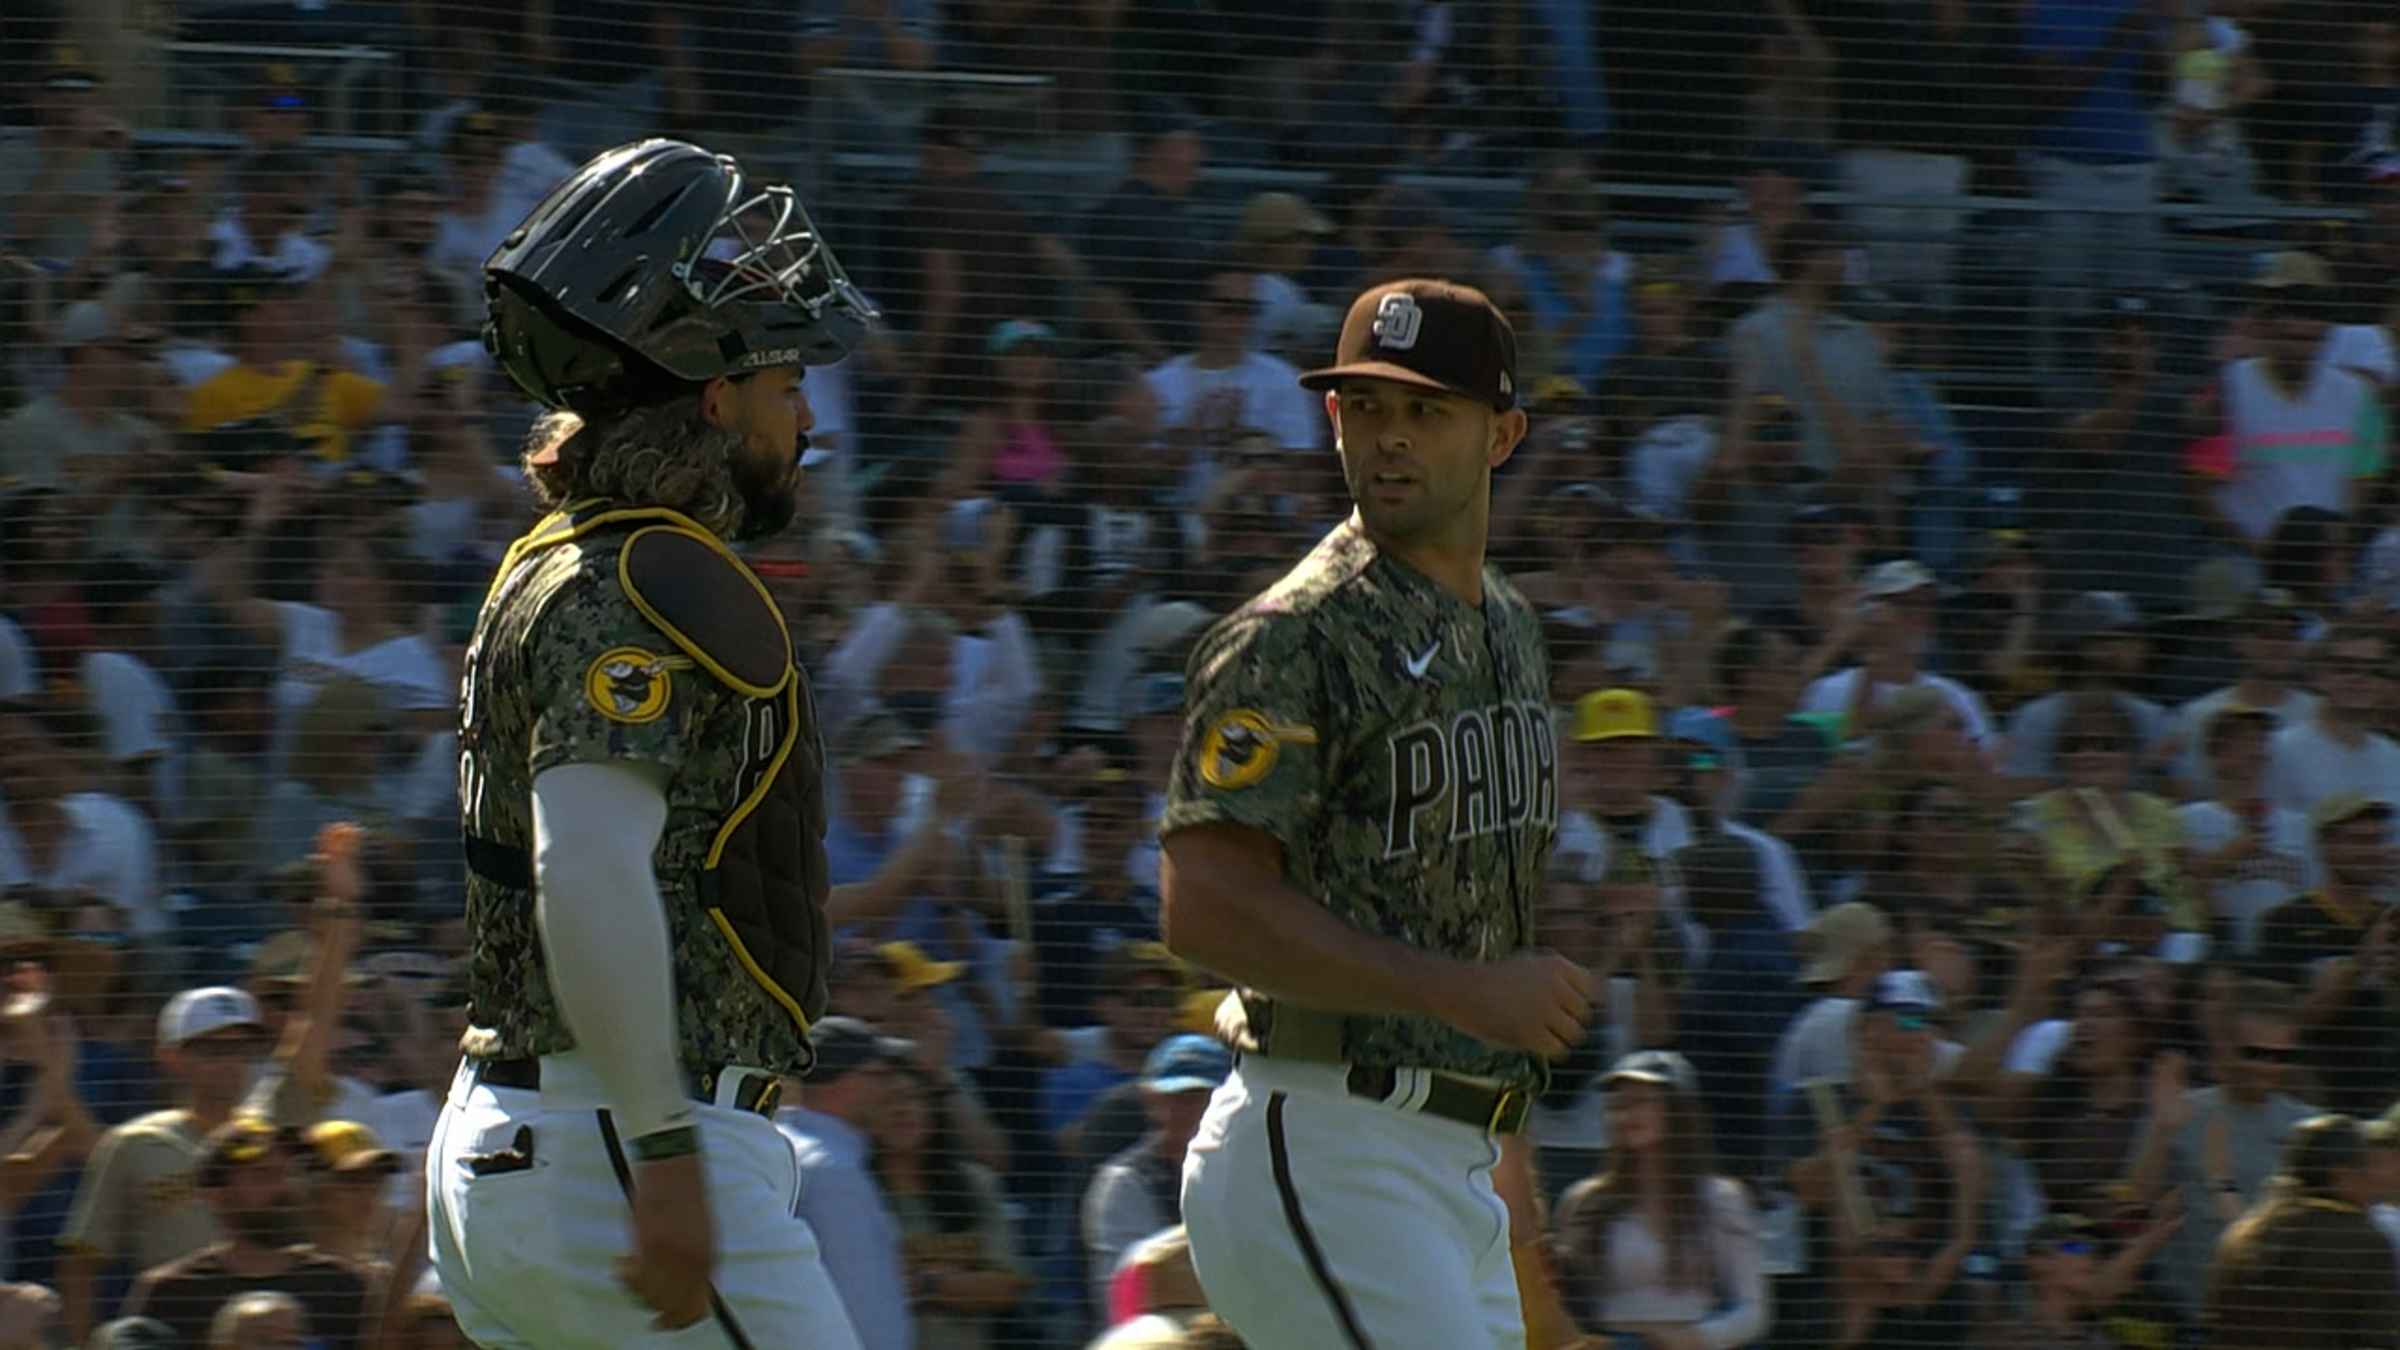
(1398, 743)
(632, 634)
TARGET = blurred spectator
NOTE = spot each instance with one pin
(1935, 461)
(2363, 118)
(1135, 999)
(1889, 1175)
(603, 59)
(2296, 432)
(963, 1266)
(1107, 916)
(258, 1320)
(139, 1200)
(1738, 1000)
(1406, 231)
(1661, 1247)
(2267, 637)
(85, 436)
(2220, 1145)
(2250, 854)
(1276, 240)
(2307, 1245)
(2203, 153)
(2073, 1281)
(1573, 293)
(266, 225)
(1779, 756)
(973, 262)
(1616, 832)
(2102, 648)
(1223, 389)
(1138, 1192)
(496, 176)
(2339, 750)
(846, 1102)
(2118, 498)
(2118, 852)
(54, 182)
(1825, 365)
(1898, 598)
(1137, 242)
(1756, 507)
(899, 36)
(276, 113)
(1013, 439)
(1742, 250)
(276, 375)
(966, 670)
(331, 770)
(2340, 944)
(57, 831)
(245, 1178)
(346, 1167)
(127, 698)
(2094, 160)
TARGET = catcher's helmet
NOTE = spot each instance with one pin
(659, 259)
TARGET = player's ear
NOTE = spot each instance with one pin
(716, 403)
(1508, 432)
(1333, 411)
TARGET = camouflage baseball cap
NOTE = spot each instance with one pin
(1429, 333)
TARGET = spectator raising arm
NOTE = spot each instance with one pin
(298, 1084)
(53, 1130)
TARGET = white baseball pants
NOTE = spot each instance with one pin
(528, 1256)
(1323, 1221)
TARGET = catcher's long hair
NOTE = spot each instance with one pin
(659, 453)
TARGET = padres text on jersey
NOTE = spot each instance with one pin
(1398, 743)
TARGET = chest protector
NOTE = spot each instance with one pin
(752, 857)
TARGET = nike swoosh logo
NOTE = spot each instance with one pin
(1420, 663)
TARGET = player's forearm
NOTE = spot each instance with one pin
(1264, 935)
(604, 931)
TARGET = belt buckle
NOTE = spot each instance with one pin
(1509, 1110)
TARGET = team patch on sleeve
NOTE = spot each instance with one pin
(1240, 747)
(631, 684)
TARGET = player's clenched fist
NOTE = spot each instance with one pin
(1536, 1001)
(674, 1241)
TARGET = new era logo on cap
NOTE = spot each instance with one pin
(1430, 333)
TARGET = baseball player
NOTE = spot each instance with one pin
(1355, 834)
(640, 775)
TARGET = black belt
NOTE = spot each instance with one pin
(759, 1094)
(1488, 1107)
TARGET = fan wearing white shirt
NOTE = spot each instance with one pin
(267, 223)
(2249, 854)
(124, 692)
(56, 833)
(1898, 631)
(495, 183)
(1222, 389)
(355, 629)
(2338, 750)
(2267, 639)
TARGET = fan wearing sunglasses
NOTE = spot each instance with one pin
(2073, 1277)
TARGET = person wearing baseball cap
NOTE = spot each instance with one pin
(349, 1169)
(210, 1043)
(1124, 1205)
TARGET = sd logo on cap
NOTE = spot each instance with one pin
(1429, 333)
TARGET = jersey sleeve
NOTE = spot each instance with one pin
(610, 686)
(1253, 733)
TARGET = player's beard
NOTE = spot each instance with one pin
(767, 483)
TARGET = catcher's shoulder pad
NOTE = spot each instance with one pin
(710, 604)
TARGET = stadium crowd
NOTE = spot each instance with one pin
(1991, 849)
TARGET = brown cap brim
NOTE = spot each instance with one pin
(1330, 376)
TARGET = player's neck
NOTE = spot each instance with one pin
(1452, 559)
